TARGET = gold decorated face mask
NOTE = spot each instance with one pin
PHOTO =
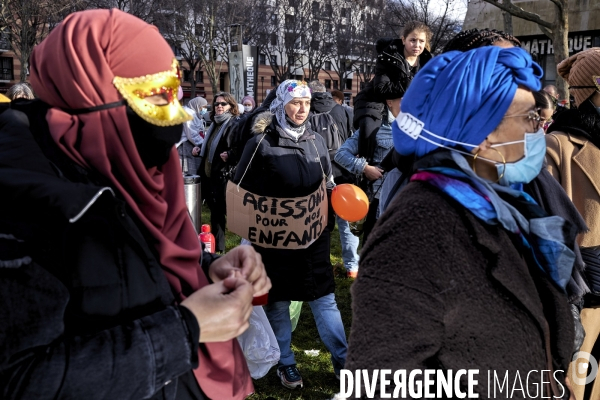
(136, 90)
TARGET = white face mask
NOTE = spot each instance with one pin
(247, 108)
(521, 171)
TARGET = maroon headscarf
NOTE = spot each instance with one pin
(74, 68)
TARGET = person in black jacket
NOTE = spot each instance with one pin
(286, 159)
(323, 102)
(242, 131)
(102, 294)
(398, 61)
(338, 97)
(217, 160)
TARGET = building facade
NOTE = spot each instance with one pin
(323, 39)
(584, 28)
(295, 34)
(10, 66)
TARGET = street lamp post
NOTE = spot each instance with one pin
(262, 81)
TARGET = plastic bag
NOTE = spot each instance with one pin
(259, 344)
(295, 308)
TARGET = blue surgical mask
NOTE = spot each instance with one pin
(203, 111)
(522, 171)
(528, 167)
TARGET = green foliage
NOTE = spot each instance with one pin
(317, 372)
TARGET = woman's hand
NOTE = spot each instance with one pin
(373, 173)
(221, 309)
(196, 151)
(246, 261)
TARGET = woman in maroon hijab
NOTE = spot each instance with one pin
(101, 290)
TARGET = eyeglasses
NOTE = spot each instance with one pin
(531, 115)
(222, 104)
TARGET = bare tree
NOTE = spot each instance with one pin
(438, 16)
(364, 67)
(143, 9)
(179, 29)
(348, 30)
(198, 30)
(356, 24)
(213, 34)
(299, 36)
(557, 30)
(28, 22)
(319, 42)
(282, 31)
(508, 26)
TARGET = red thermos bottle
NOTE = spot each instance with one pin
(207, 238)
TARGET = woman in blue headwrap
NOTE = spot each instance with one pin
(463, 271)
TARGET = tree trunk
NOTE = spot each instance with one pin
(561, 47)
(508, 26)
(23, 58)
(193, 83)
(212, 76)
(557, 31)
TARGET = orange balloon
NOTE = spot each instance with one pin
(349, 202)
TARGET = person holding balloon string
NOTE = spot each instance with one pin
(347, 158)
(286, 159)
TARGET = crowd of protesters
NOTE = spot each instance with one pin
(480, 249)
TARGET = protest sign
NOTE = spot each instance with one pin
(277, 222)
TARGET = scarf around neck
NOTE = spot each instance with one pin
(195, 126)
(219, 119)
(544, 236)
(292, 130)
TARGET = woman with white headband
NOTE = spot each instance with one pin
(286, 168)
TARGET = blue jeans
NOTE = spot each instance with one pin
(349, 244)
(329, 324)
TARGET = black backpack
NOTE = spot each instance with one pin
(325, 125)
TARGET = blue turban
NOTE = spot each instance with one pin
(464, 96)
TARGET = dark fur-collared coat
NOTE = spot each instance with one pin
(283, 167)
(439, 289)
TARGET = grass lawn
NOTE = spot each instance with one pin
(317, 373)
